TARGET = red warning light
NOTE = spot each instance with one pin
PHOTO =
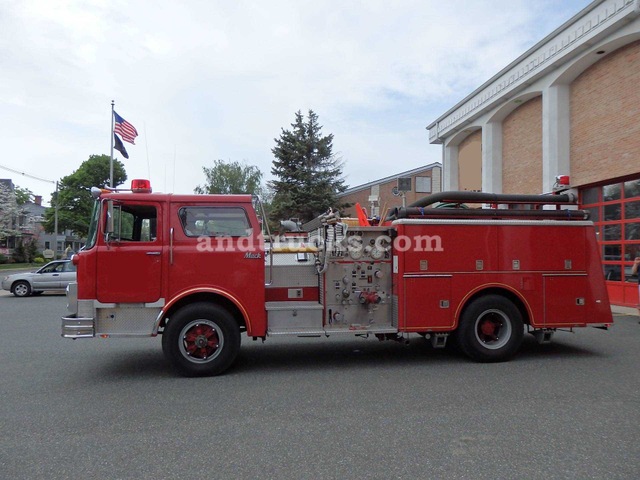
(139, 185)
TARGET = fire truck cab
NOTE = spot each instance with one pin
(197, 270)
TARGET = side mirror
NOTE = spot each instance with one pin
(108, 228)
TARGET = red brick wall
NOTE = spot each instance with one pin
(386, 197)
(522, 149)
(605, 118)
(470, 163)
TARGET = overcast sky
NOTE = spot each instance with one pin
(212, 79)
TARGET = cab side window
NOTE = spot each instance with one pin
(134, 223)
(215, 221)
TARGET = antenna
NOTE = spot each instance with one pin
(146, 146)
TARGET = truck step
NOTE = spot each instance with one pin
(292, 305)
(315, 332)
(294, 317)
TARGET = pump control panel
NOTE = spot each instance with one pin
(357, 282)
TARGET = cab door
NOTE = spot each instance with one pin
(129, 267)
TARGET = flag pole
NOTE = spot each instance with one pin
(111, 162)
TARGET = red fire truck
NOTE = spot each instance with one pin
(197, 270)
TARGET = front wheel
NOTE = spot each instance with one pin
(491, 329)
(201, 339)
(22, 289)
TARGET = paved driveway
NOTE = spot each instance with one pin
(314, 408)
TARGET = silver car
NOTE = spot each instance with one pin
(53, 276)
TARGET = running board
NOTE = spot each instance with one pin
(314, 332)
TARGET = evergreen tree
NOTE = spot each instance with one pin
(31, 250)
(309, 176)
(19, 253)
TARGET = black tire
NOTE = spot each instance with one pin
(491, 329)
(201, 339)
(21, 289)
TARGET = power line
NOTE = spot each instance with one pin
(27, 175)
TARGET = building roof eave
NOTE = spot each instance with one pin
(408, 173)
(552, 49)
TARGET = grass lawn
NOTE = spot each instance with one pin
(11, 266)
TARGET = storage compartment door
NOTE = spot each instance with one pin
(427, 302)
(566, 300)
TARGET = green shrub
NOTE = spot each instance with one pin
(38, 260)
(3, 259)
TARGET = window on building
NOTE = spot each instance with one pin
(615, 210)
(423, 184)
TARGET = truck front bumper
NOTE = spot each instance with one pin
(77, 324)
(78, 327)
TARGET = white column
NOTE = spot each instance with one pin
(450, 168)
(492, 157)
(436, 179)
(556, 131)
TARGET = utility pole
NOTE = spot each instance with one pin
(55, 217)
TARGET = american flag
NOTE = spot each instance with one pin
(123, 128)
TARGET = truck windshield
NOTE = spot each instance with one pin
(93, 226)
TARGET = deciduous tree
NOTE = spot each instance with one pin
(23, 195)
(74, 199)
(8, 211)
(231, 177)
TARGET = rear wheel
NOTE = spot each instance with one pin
(201, 339)
(491, 329)
(21, 289)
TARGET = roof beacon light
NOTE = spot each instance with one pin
(139, 185)
(563, 180)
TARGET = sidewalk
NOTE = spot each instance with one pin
(624, 310)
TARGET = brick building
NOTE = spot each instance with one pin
(570, 105)
(376, 195)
